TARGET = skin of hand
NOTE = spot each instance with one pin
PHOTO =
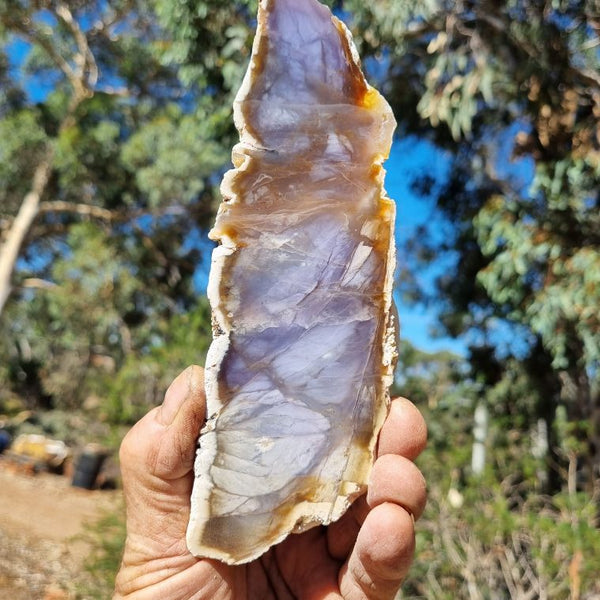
(363, 556)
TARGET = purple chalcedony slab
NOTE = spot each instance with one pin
(300, 288)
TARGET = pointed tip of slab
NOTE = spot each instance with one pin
(304, 67)
(303, 55)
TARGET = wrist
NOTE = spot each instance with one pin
(170, 574)
(149, 569)
(198, 581)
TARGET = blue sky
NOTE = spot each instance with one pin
(410, 157)
(413, 156)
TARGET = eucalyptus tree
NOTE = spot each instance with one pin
(109, 165)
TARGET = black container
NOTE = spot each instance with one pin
(88, 467)
(4, 440)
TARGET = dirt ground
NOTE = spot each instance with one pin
(40, 515)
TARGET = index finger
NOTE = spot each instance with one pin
(382, 555)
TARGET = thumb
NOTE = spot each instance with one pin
(157, 457)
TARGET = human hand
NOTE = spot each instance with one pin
(363, 556)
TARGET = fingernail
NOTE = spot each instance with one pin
(175, 397)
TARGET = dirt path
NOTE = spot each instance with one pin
(39, 517)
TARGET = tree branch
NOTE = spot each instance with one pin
(37, 284)
(590, 76)
(88, 210)
(84, 59)
(36, 37)
(82, 79)
(104, 27)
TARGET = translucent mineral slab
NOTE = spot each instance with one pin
(300, 288)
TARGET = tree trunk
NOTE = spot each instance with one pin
(595, 438)
(540, 449)
(21, 226)
(480, 432)
(545, 380)
(584, 414)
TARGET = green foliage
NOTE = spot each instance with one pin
(99, 334)
(211, 41)
(173, 156)
(499, 535)
(105, 278)
(143, 379)
(74, 324)
(86, 156)
(488, 547)
(427, 377)
(105, 538)
(23, 143)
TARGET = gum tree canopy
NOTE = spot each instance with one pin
(112, 140)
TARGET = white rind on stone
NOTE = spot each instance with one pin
(300, 289)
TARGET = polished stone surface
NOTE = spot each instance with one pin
(300, 287)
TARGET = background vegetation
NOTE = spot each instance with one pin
(115, 128)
